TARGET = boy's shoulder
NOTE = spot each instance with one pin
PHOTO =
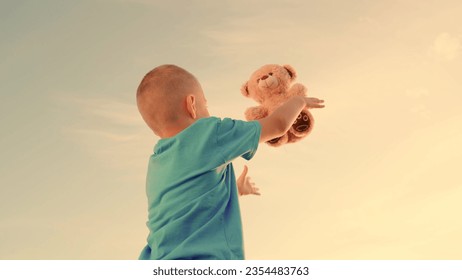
(213, 124)
(212, 120)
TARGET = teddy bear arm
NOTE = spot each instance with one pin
(256, 113)
(297, 90)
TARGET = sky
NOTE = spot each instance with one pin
(378, 178)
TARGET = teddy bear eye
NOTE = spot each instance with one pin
(271, 73)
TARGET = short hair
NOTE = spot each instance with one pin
(160, 93)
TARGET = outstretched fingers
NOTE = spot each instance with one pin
(313, 102)
(251, 187)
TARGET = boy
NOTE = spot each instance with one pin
(191, 187)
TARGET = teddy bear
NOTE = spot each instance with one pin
(271, 85)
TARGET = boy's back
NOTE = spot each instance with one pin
(192, 195)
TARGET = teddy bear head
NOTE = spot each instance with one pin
(268, 81)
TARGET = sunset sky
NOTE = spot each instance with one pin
(378, 178)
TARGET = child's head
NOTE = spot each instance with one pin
(169, 99)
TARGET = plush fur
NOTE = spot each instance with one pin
(271, 85)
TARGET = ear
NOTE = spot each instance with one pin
(291, 71)
(191, 106)
(245, 89)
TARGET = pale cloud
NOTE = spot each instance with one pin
(111, 131)
(109, 136)
(243, 41)
(111, 110)
(256, 34)
(417, 92)
(446, 47)
(144, 2)
(417, 97)
(421, 110)
(368, 21)
(123, 113)
(119, 150)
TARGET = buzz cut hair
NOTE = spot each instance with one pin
(160, 93)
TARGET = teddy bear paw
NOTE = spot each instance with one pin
(302, 123)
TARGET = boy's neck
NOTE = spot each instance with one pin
(173, 130)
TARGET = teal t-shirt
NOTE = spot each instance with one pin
(192, 194)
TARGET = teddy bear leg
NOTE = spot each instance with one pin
(292, 138)
(303, 124)
(276, 142)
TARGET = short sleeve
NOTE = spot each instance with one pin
(238, 138)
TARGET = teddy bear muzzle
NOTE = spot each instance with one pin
(268, 81)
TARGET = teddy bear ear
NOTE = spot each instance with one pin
(291, 71)
(245, 89)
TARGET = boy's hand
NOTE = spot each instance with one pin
(313, 102)
(245, 186)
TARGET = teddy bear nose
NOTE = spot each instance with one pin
(264, 77)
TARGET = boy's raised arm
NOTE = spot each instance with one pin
(279, 122)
